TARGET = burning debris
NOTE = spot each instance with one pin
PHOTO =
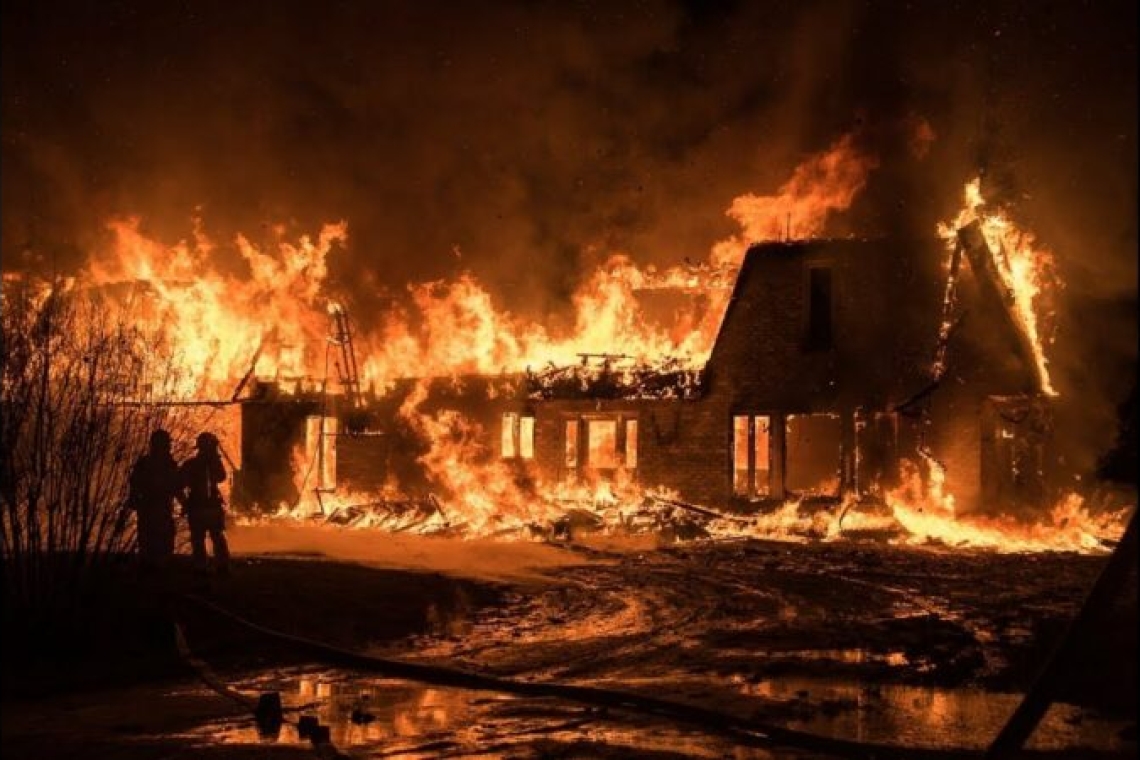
(913, 515)
(424, 516)
(617, 376)
(1069, 527)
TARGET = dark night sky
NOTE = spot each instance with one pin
(524, 132)
(539, 136)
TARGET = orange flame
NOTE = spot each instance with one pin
(827, 182)
(213, 322)
(484, 492)
(454, 328)
(271, 319)
(927, 514)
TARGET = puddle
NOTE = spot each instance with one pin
(925, 716)
(373, 717)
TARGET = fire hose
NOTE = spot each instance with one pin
(744, 731)
(325, 749)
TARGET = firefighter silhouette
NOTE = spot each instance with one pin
(155, 484)
(205, 509)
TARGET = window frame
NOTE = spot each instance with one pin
(576, 453)
(514, 434)
(752, 489)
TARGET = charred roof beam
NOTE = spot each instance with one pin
(990, 282)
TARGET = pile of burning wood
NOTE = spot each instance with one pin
(616, 376)
(566, 517)
(571, 515)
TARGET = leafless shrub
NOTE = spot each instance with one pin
(78, 390)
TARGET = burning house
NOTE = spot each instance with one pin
(840, 369)
(593, 379)
(899, 372)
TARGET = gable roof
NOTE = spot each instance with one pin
(886, 311)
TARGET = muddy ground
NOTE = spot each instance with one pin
(917, 647)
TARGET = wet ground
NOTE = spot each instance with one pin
(373, 717)
(755, 610)
(877, 644)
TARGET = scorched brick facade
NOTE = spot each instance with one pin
(818, 384)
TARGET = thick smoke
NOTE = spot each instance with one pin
(525, 141)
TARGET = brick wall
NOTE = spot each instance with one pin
(270, 431)
(682, 445)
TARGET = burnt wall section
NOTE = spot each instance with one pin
(681, 445)
(1015, 443)
(272, 430)
(822, 325)
(878, 440)
(389, 446)
(367, 462)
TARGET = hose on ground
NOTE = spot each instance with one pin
(324, 750)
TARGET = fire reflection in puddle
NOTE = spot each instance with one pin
(372, 717)
(384, 718)
(368, 711)
(925, 716)
(847, 656)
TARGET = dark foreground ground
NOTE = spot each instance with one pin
(905, 646)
